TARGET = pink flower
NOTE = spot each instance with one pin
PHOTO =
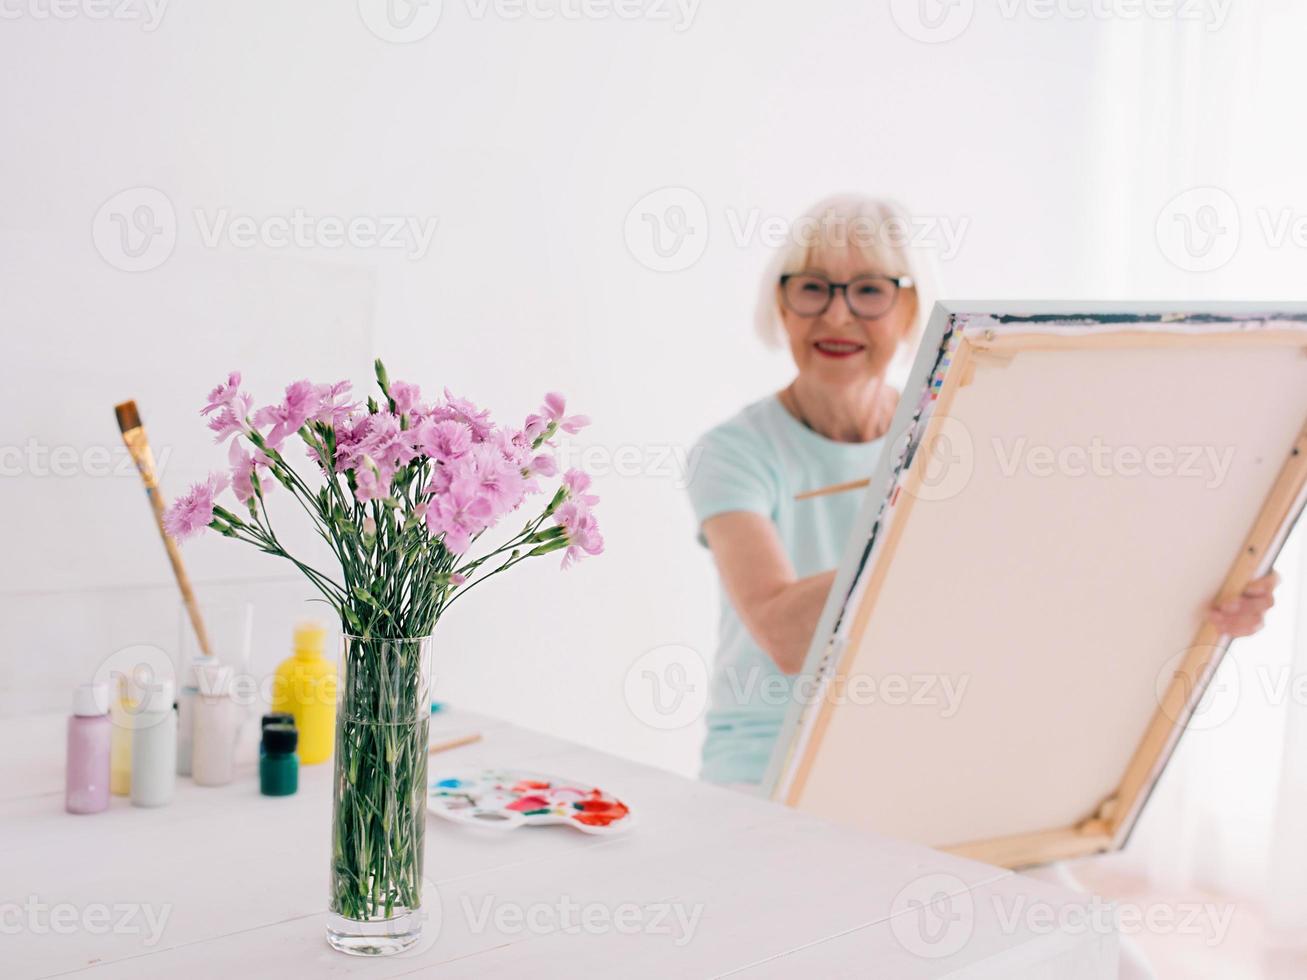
(380, 437)
(405, 396)
(542, 464)
(534, 426)
(230, 419)
(301, 404)
(581, 530)
(243, 467)
(459, 512)
(462, 410)
(513, 446)
(371, 481)
(194, 511)
(222, 395)
(333, 407)
(577, 482)
(443, 475)
(351, 432)
(552, 411)
(387, 441)
(500, 480)
(444, 440)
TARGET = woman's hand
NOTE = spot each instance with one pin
(1245, 615)
(779, 609)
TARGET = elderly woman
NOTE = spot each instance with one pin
(846, 297)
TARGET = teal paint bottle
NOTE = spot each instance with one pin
(279, 769)
(274, 718)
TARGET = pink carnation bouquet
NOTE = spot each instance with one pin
(403, 488)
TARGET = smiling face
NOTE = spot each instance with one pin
(835, 347)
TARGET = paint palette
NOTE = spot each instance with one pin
(505, 799)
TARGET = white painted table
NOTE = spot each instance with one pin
(227, 883)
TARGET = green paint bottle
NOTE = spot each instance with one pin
(279, 770)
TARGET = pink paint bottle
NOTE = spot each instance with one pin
(87, 775)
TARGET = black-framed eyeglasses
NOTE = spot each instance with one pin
(868, 297)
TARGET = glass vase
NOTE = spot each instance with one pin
(380, 794)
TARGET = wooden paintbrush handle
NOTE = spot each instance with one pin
(834, 488)
(179, 570)
(454, 743)
(144, 459)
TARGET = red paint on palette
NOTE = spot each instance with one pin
(503, 799)
(530, 802)
(600, 810)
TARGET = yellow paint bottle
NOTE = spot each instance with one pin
(305, 687)
(122, 711)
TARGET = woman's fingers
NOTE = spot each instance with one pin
(1264, 585)
(1246, 614)
(1243, 624)
(1246, 604)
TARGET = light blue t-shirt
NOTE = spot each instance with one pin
(757, 461)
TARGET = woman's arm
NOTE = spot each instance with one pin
(779, 610)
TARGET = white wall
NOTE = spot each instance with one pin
(529, 140)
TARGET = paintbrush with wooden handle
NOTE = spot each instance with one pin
(129, 423)
(454, 743)
(833, 488)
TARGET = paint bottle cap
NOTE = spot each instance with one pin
(157, 696)
(278, 718)
(214, 679)
(310, 639)
(91, 700)
(191, 675)
(280, 739)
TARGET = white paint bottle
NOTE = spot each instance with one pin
(154, 746)
(186, 697)
(215, 727)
